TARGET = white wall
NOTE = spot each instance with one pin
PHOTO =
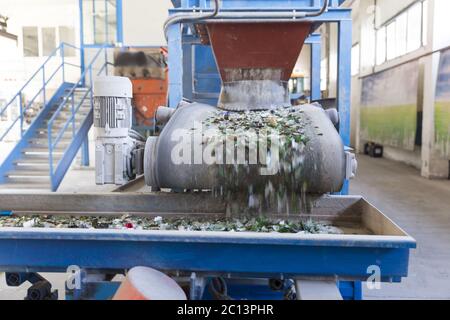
(389, 9)
(441, 24)
(14, 67)
(143, 22)
(303, 66)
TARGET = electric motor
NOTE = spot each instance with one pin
(118, 148)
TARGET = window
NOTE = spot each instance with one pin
(381, 45)
(425, 23)
(415, 27)
(355, 59)
(50, 37)
(67, 35)
(30, 42)
(391, 47)
(401, 31)
(99, 21)
(403, 34)
(48, 41)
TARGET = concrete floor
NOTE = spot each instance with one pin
(421, 207)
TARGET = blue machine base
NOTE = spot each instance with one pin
(239, 291)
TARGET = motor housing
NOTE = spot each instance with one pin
(118, 148)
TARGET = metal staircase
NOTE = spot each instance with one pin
(51, 141)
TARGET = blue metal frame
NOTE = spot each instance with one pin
(262, 291)
(119, 39)
(15, 154)
(315, 42)
(259, 256)
(256, 4)
(193, 72)
(119, 30)
(105, 290)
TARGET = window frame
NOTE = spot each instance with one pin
(24, 51)
(381, 58)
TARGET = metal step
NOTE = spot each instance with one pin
(77, 89)
(44, 139)
(31, 161)
(43, 143)
(86, 103)
(68, 105)
(30, 180)
(58, 126)
(36, 150)
(76, 93)
(62, 122)
(68, 134)
(42, 166)
(78, 98)
(38, 157)
(11, 187)
(66, 114)
(43, 135)
(28, 173)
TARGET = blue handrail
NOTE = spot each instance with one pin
(42, 90)
(86, 75)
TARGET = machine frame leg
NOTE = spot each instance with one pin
(85, 153)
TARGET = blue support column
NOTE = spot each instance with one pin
(344, 83)
(351, 290)
(82, 64)
(188, 85)
(119, 21)
(316, 52)
(85, 153)
(175, 47)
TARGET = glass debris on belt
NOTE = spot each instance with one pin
(261, 225)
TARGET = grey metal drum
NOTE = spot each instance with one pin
(323, 164)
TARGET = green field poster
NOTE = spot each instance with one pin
(442, 109)
(389, 106)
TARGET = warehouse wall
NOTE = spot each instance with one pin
(143, 22)
(389, 9)
(14, 67)
(414, 76)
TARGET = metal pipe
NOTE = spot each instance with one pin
(321, 11)
(244, 15)
(190, 17)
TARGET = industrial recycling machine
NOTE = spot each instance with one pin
(230, 56)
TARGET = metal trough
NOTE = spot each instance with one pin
(372, 240)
